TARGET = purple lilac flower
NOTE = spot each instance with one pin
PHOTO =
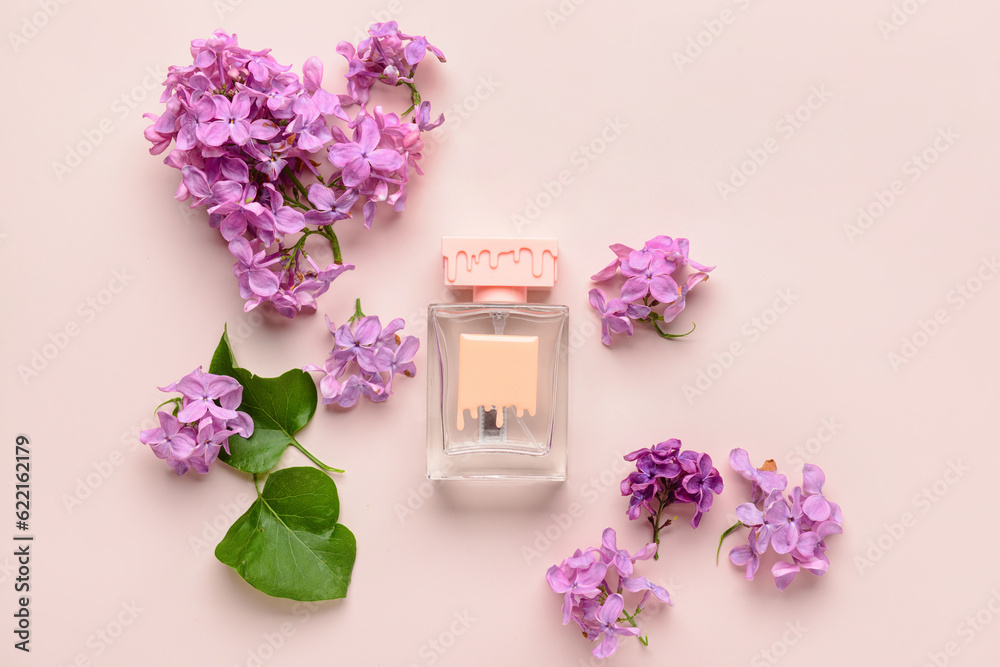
(666, 475)
(652, 278)
(795, 525)
(245, 132)
(369, 356)
(594, 583)
(198, 428)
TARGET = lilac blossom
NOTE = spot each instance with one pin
(201, 422)
(594, 583)
(652, 277)
(267, 152)
(365, 360)
(794, 525)
(666, 475)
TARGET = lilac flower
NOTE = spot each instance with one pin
(369, 356)
(651, 280)
(666, 475)
(361, 157)
(251, 269)
(607, 618)
(235, 114)
(202, 420)
(594, 582)
(783, 522)
(701, 481)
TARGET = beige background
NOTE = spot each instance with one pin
(815, 303)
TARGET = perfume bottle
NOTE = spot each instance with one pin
(496, 367)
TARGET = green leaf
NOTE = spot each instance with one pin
(223, 361)
(289, 544)
(279, 407)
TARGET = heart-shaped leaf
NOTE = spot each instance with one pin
(279, 407)
(289, 544)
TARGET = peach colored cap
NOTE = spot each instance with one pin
(499, 269)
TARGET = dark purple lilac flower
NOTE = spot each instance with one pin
(666, 475)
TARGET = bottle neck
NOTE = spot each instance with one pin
(498, 293)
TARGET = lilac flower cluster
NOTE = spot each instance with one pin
(651, 279)
(796, 525)
(369, 356)
(248, 133)
(203, 417)
(666, 475)
(595, 600)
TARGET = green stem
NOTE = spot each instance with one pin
(256, 485)
(296, 204)
(327, 231)
(643, 639)
(664, 334)
(414, 98)
(729, 531)
(319, 464)
(176, 401)
(298, 185)
(358, 313)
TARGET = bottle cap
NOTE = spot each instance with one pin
(499, 269)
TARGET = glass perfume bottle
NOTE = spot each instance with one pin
(496, 367)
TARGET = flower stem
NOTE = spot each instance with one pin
(729, 531)
(298, 185)
(327, 231)
(176, 401)
(643, 638)
(319, 464)
(414, 98)
(664, 334)
(358, 313)
(256, 485)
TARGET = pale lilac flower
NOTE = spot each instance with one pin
(359, 158)
(784, 523)
(369, 356)
(202, 420)
(594, 582)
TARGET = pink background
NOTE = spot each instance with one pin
(452, 580)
